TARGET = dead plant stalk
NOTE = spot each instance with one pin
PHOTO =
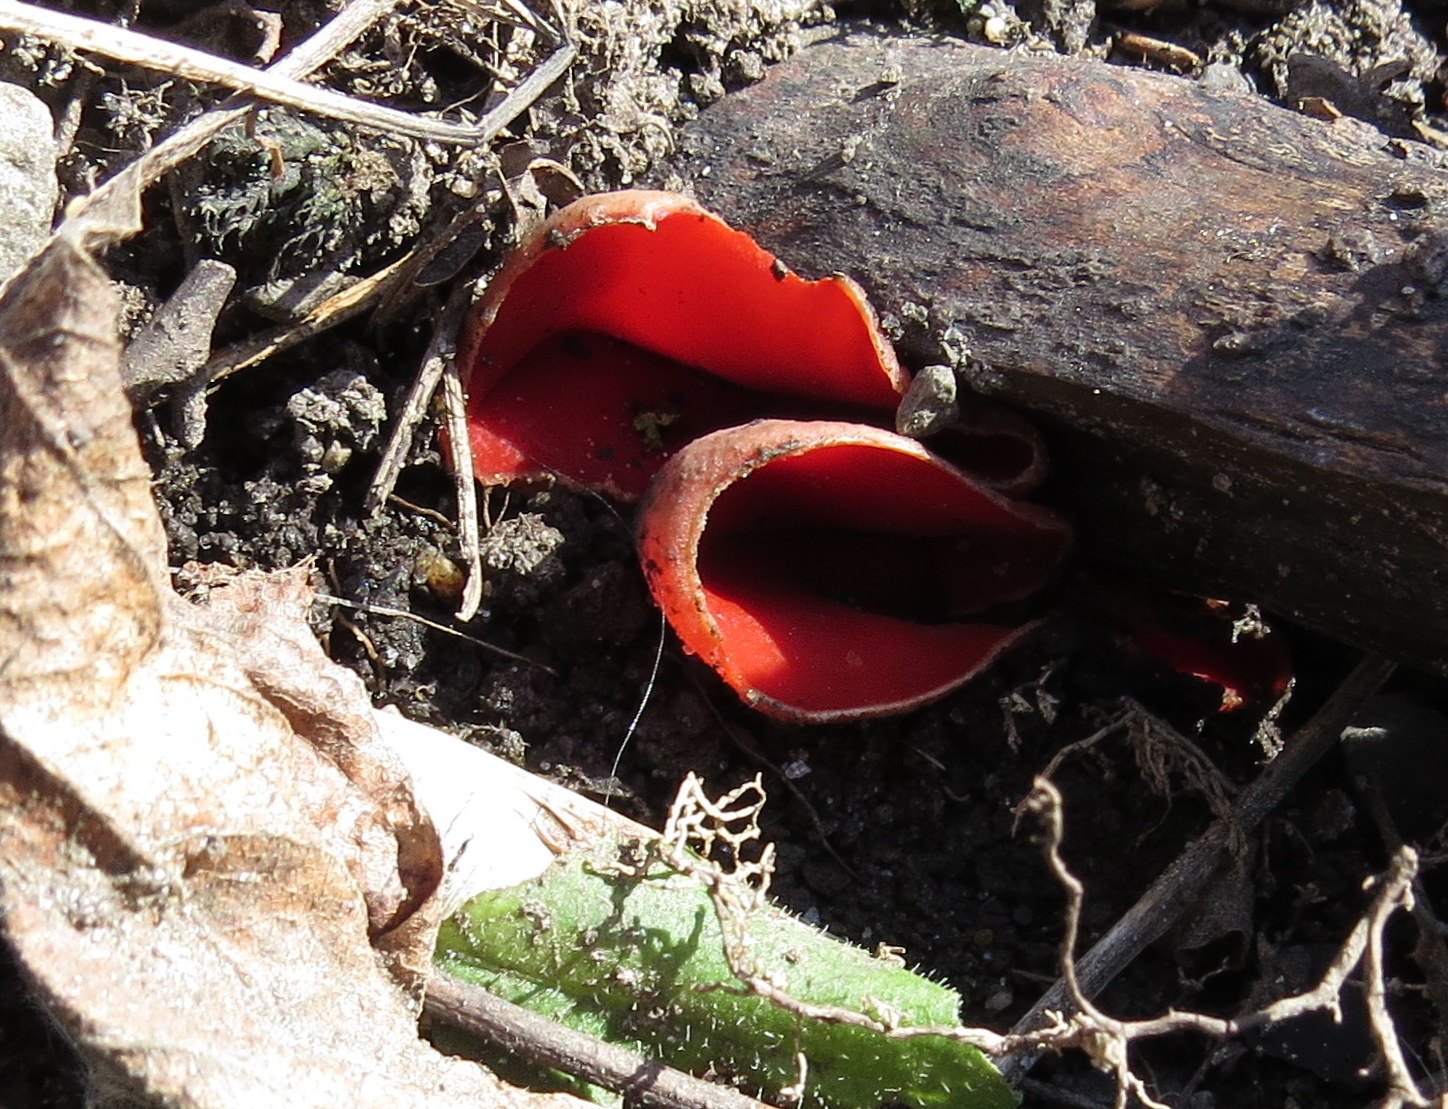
(124, 45)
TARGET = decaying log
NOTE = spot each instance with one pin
(1229, 316)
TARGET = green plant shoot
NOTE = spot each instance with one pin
(617, 943)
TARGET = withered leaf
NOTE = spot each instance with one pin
(213, 874)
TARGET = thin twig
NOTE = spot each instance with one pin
(1179, 886)
(1392, 892)
(517, 15)
(1104, 1038)
(1402, 1089)
(399, 442)
(351, 301)
(135, 48)
(1108, 1040)
(441, 350)
(454, 406)
(1430, 951)
(527, 1035)
(402, 614)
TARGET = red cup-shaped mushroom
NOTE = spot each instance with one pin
(826, 569)
(631, 323)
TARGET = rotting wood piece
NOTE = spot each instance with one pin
(1230, 316)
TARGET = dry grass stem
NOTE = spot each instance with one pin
(135, 48)
(440, 352)
(454, 404)
(338, 308)
(400, 614)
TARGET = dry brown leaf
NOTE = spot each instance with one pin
(392, 847)
(214, 875)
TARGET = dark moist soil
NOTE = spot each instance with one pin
(898, 831)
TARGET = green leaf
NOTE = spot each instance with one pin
(639, 961)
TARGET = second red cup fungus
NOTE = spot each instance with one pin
(826, 569)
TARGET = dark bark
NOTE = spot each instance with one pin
(1227, 315)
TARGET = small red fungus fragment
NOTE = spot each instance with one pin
(1224, 644)
(1253, 668)
(632, 322)
(822, 567)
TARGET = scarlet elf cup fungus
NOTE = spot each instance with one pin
(822, 568)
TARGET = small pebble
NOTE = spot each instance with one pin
(929, 404)
(27, 176)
